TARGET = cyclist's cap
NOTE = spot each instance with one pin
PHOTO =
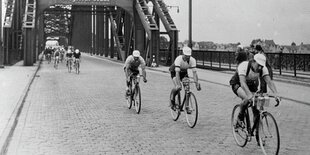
(187, 51)
(136, 53)
(240, 46)
(260, 59)
(77, 51)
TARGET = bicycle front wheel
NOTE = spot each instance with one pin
(77, 68)
(268, 133)
(175, 111)
(137, 99)
(191, 111)
(239, 131)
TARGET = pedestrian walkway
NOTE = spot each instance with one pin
(14, 83)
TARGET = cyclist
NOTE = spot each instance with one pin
(249, 74)
(178, 70)
(76, 55)
(134, 65)
(69, 55)
(56, 56)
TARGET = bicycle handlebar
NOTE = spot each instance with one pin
(258, 94)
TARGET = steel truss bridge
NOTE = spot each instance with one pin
(104, 27)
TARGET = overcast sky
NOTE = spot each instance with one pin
(232, 21)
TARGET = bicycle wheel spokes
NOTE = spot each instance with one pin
(137, 99)
(269, 138)
(191, 111)
(175, 111)
(239, 130)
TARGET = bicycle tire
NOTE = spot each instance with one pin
(175, 113)
(69, 66)
(192, 117)
(240, 134)
(266, 126)
(129, 98)
(137, 100)
(77, 68)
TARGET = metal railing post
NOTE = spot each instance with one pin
(220, 60)
(211, 58)
(280, 63)
(294, 65)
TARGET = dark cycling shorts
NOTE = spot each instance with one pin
(182, 74)
(132, 71)
(235, 87)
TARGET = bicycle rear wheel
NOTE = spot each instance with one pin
(239, 132)
(268, 133)
(175, 111)
(191, 112)
(137, 100)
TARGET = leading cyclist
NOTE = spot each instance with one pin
(178, 70)
(249, 74)
(134, 65)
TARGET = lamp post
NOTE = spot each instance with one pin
(190, 44)
(1, 49)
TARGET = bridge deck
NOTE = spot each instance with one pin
(65, 113)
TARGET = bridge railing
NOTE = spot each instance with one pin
(289, 64)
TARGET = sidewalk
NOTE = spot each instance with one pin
(14, 84)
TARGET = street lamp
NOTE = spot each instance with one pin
(1, 49)
(178, 9)
(190, 44)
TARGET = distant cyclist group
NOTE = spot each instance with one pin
(59, 54)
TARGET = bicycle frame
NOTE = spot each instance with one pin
(186, 85)
(261, 110)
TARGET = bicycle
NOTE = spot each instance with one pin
(190, 102)
(134, 95)
(69, 62)
(77, 66)
(265, 125)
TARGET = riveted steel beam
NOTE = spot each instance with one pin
(8, 17)
(30, 13)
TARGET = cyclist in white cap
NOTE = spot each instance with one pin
(249, 74)
(178, 70)
(134, 65)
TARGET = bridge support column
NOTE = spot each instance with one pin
(28, 50)
(100, 30)
(106, 33)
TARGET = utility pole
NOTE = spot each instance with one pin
(190, 42)
(1, 48)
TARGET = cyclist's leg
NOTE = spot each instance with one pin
(127, 74)
(241, 94)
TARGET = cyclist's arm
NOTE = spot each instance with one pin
(143, 67)
(271, 85)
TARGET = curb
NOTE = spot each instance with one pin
(12, 123)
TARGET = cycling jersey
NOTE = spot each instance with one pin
(133, 64)
(77, 55)
(181, 65)
(251, 76)
(69, 55)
